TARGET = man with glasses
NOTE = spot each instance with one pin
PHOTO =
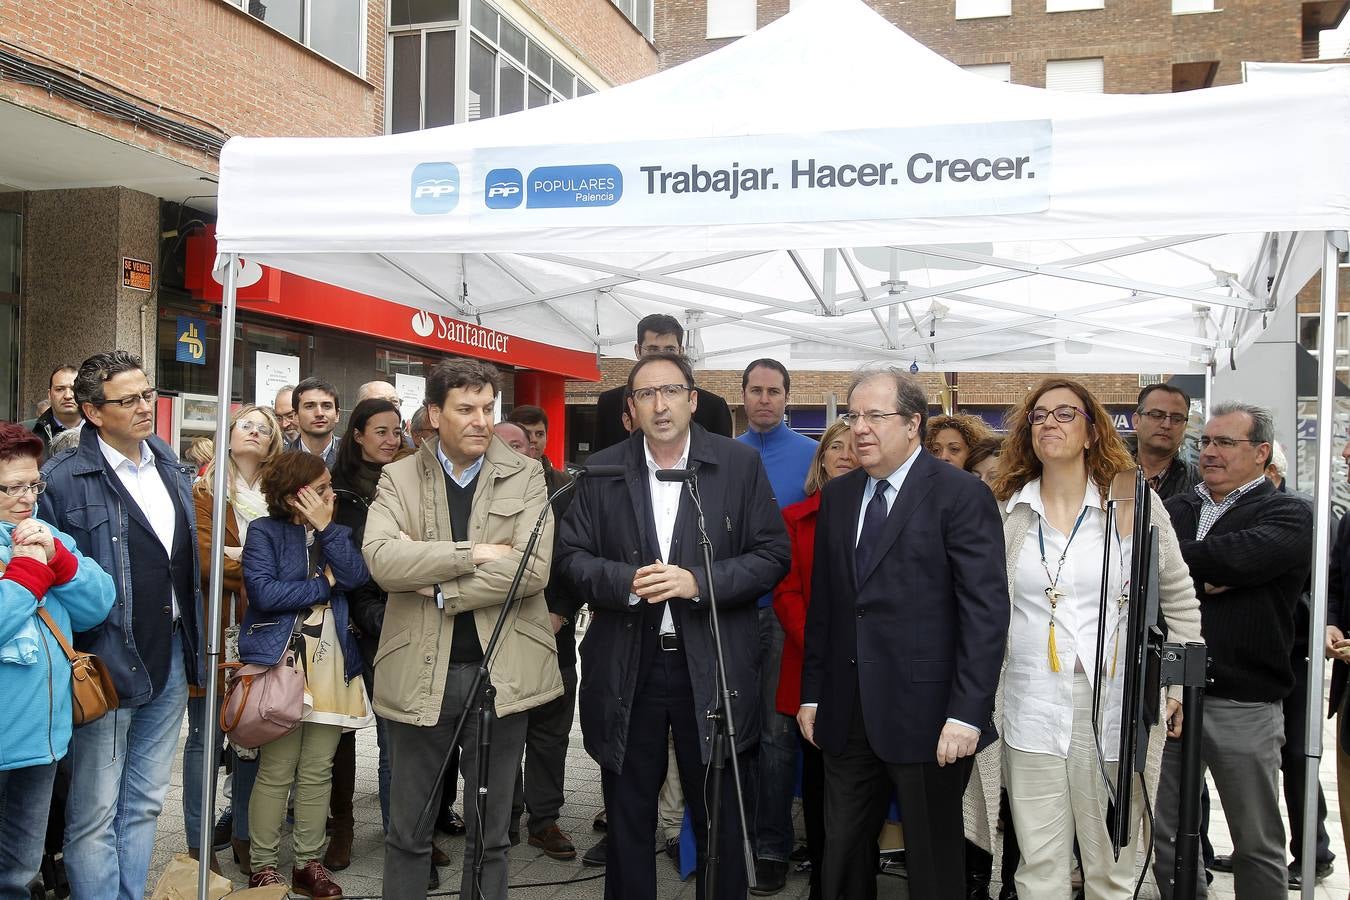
(1249, 548)
(316, 414)
(1159, 422)
(904, 643)
(126, 500)
(630, 546)
(64, 412)
(284, 406)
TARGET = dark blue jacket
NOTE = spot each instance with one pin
(82, 501)
(281, 586)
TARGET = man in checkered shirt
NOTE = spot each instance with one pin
(1249, 549)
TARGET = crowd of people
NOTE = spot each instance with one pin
(908, 611)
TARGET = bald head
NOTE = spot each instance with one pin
(514, 436)
(377, 390)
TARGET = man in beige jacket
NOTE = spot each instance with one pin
(444, 537)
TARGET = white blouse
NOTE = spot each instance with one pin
(1037, 701)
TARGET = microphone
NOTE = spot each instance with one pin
(675, 474)
(596, 471)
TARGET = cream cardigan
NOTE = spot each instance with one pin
(1179, 609)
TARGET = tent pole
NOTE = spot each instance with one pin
(1326, 397)
(219, 487)
(1209, 389)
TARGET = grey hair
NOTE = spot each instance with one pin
(910, 397)
(1278, 460)
(64, 441)
(1263, 423)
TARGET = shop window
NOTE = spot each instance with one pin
(333, 28)
(11, 252)
(1075, 75)
(1310, 336)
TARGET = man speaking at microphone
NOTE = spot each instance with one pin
(445, 537)
(648, 661)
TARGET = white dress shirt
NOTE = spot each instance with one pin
(665, 497)
(896, 479)
(1038, 702)
(147, 488)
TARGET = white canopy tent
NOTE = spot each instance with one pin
(829, 192)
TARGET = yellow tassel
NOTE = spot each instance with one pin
(1115, 652)
(1054, 652)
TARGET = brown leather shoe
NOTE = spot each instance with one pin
(339, 854)
(243, 851)
(215, 864)
(313, 880)
(554, 843)
(265, 877)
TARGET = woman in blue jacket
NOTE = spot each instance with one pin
(298, 567)
(42, 569)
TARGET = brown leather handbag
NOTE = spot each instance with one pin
(91, 686)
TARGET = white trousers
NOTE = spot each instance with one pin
(1053, 801)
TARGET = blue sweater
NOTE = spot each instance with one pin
(35, 698)
(787, 460)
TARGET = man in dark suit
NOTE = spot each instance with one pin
(904, 642)
(648, 662)
(656, 333)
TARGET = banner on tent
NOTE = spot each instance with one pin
(982, 169)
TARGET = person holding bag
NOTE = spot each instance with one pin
(46, 582)
(298, 567)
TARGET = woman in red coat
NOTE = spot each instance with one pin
(833, 457)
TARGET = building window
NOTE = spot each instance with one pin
(1083, 75)
(421, 80)
(509, 71)
(1070, 5)
(982, 9)
(1310, 336)
(639, 12)
(1191, 6)
(996, 71)
(731, 18)
(334, 28)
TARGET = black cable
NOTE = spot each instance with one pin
(1148, 854)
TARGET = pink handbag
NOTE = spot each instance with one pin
(262, 703)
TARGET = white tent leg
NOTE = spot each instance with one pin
(219, 487)
(1326, 397)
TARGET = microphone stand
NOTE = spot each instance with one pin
(724, 729)
(479, 700)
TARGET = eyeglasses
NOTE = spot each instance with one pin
(1225, 443)
(249, 427)
(286, 417)
(1063, 414)
(130, 402)
(668, 392)
(18, 490)
(871, 418)
(1159, 416)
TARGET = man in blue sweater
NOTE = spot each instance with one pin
(787, 458)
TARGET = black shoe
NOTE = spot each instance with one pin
(977, 887)
(434, 879)
(224, 830)
(673, 851)
(450, 822)
(600, 822)
(1222, 864)
(799, 854)
(1296, 874)
(770, 877)
(513, 837)
(1008, 891)
(597, 856)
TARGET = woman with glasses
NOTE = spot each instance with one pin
(299, 565)
(1061, 462)
(255, 440)
(834, 456)
(42, 570)
(373, 439)
(952, 438)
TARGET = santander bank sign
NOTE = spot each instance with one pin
(458, 334)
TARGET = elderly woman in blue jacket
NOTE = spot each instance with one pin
(298, 567)
(42, 569)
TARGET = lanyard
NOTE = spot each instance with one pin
(1052, 591)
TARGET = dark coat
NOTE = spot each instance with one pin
(1338, 608)
(281, 586)
(606, 537)
(922, 636)
(712, 413)
(365, 603)
(82, 501)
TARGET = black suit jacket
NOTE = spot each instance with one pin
(920, 637)
(712, 414)
(607, 535)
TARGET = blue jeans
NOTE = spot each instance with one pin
(25, 797)
(193, 752)
(245, 772)
(119, 776)
(778, 747)
(382, 772)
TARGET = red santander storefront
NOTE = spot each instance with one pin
(347, 338)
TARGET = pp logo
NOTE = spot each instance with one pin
(422, 325)
(503, 188)
(435, 188)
